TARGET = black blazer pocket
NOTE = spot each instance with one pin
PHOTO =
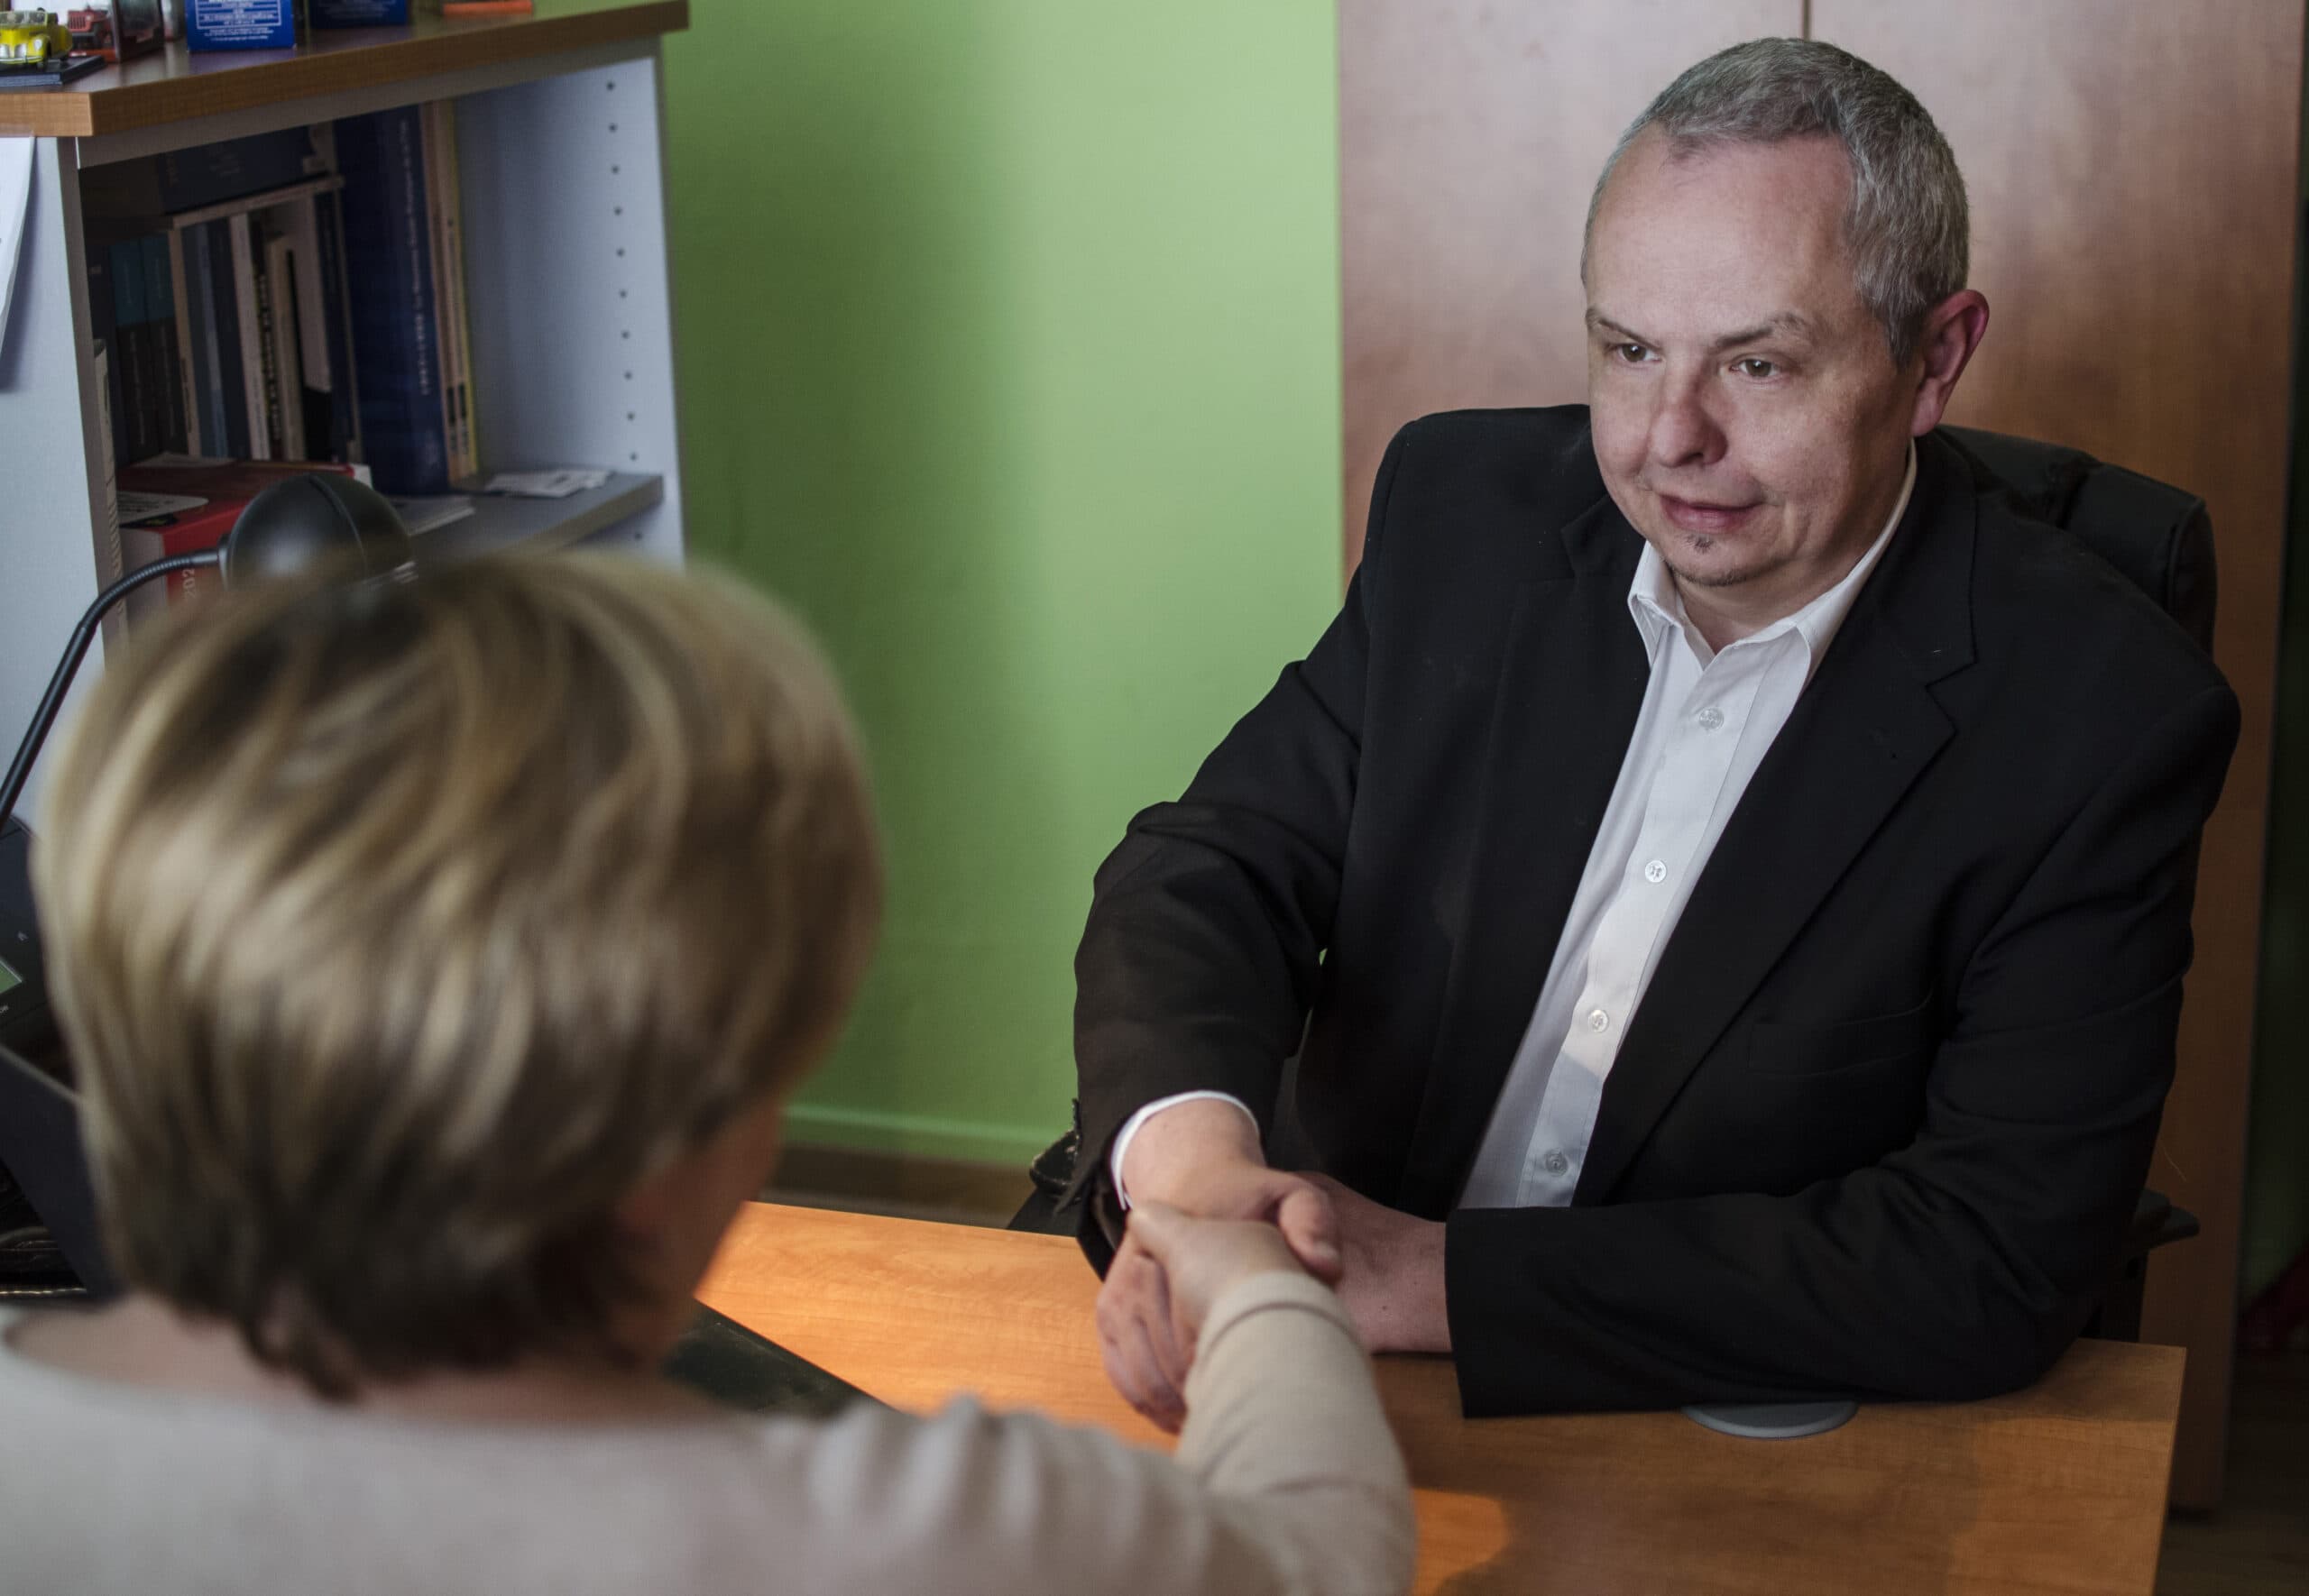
(1788, 1048)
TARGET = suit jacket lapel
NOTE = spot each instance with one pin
(1571, 681)
(1861, 733)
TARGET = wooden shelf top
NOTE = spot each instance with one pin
(174, 84)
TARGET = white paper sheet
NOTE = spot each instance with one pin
(15, 194)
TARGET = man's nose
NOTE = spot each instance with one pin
(1684, 431)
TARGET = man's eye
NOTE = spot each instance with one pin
(1629, 353)
(1757, 368)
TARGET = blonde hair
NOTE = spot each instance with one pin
(399, 930)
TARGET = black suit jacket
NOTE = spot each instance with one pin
(1879, 1124)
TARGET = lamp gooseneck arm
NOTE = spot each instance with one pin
(20, 769)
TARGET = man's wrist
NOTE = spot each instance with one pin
(1162, 1149)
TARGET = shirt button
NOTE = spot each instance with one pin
(1597, 1019)
(1655, 872)
(1555, 1163)
(1710, 718)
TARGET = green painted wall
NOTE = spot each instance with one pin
(1008, 342)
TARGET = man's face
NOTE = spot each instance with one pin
(1748, 418)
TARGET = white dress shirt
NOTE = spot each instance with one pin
(1707, 719)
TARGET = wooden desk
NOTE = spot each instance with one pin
(2060, 1488)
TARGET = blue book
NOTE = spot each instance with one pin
(224, 309)
(160, 309)
(133, 432)
(389, 272)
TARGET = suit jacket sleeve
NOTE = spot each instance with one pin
(1208, 923)
(1961, 1265)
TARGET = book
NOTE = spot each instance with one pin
(344, 413)
(288, 376)
(393, 316)
(226, 309)
(187, 365)
(250, 324)
(160, 312)
(201, 175)
(176, 505)
(135, 436)
(200, 314)
(460, 328)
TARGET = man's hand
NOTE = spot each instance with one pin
(1391, 1284)
(1202, 1159)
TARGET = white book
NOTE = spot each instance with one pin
(245, 269)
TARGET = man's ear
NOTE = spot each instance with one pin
(1952, 330)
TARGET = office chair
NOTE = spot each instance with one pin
(2160, 540)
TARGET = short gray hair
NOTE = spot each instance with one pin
(1908, 227)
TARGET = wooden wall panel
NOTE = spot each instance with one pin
(2132, 169)
(1470, 134)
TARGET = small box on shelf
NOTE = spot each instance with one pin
(244, 24)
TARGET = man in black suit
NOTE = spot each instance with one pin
(1725, 876)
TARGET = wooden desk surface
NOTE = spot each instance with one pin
(2060, 1488)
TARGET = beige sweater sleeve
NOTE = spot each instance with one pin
(1287, 1480)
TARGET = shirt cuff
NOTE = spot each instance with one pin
(1131, 1128)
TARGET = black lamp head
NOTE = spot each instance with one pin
(313, 518)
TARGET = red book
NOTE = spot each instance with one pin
(217, 492)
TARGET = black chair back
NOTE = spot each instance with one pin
(2158, 537)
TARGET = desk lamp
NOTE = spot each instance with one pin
(292, 525)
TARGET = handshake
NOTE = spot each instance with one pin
(1207, 1214)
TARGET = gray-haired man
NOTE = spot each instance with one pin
(1725, 876)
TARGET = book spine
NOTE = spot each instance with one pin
(253, 347)
(388, 265)
(267, 353)
(129, 441)
(435, 144)
(344, 410)
(231, 379)
(460, 328)
(289, 383)
(201, 310)
(312, 298)
(232, 168)
(160, 309)
(187, 365)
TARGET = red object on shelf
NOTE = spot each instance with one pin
(487, 7)
(226, 486)
(121, 33)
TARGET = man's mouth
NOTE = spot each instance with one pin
(1698, 514)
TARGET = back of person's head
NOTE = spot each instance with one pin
(399, 930)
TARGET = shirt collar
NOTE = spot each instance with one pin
(1659, 608)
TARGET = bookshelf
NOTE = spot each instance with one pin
(562, 173)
